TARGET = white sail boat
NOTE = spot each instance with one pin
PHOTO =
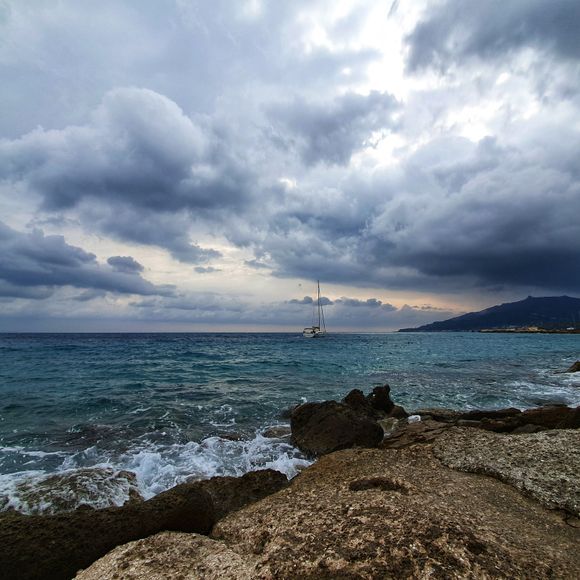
(320, 330)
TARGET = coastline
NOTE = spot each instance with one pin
(423, 498)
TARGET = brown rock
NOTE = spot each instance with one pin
(232, 493)
(357, 401)
(171, 555)
(407, 434)
(544, 465)
(56, 546)
(398, 412)
(548, 417)
(370, 513)
(575, 368)
(319, 428)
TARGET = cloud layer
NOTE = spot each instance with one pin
(430, 148)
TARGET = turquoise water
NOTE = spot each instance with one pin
(171, 406)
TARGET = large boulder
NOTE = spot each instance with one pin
(319, 428)
(57, 546)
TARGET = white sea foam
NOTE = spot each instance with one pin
(98, 478)
(33, 492)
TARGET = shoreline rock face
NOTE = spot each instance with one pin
(422, 505)
(56, 546)
(545, 465)
(372, 513)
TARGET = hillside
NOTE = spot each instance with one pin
(547, 312)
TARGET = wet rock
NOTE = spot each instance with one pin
(229, 494)
(548, 417)
(575, 368)
(95, 487)
(380, 399)
(171, 555)
(376, 405)
(319, 428)
(56, 546)
(438, 414)
(277, 432)
(372, 513)
(357, 401)
(543, 465)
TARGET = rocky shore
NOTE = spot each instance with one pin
(435, 494)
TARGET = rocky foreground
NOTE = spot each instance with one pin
(452, 495)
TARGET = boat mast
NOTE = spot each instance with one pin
(318, 282)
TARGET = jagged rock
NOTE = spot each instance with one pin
(373, 513)
(575, 368)
(319, 428)
(380, 399)
(171, 555)
(56, 546)
(544, 465)
(357, 401)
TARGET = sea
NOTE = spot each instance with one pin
(94, 418)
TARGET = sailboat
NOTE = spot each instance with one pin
(320, 330)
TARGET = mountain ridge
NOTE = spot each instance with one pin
(549, 312)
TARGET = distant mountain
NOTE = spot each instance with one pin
(548, 312)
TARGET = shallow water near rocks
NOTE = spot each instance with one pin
(172, 407)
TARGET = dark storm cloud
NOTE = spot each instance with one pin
(455, 30)
(126, 264)
(64, 56)
(324, 301)
(8, 290)
(331, 132)
(32, 265)
(138, 171)
(459, 215)
(368, 303)
(139, 149)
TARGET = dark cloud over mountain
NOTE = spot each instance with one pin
(332, 132)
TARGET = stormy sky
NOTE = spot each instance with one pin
(193, 165)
